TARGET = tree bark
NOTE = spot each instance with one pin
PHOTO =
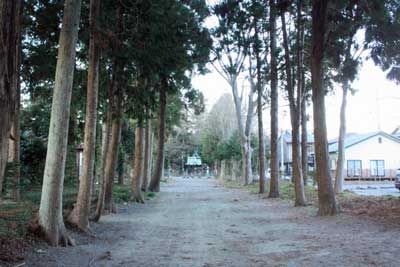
(159, 165)
(80, 214)
(147, 156)
(138, 165)
(111, 164)
(15, 141)
(50, 211)
(274, 182)
(339, 179)
(106, 132)
(261, 146)
(294, 105)
(326, 197)
(304, 140)
(10, 34)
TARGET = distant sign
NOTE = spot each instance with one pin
(194, 160)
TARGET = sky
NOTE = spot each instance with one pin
(375, 105)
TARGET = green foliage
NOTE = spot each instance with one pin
(121, 193)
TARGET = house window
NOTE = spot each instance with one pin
(354, 168)
(333, 164)
(377, 168)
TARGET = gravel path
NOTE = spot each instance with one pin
(195, 222)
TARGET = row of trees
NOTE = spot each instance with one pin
(306, 48)
(133, 59)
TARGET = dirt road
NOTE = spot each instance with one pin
(197, 223)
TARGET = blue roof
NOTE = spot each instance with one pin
(352, 139)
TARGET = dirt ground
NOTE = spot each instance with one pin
(195, 222)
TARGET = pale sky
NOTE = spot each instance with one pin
(376, 100)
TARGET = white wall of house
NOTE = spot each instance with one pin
(375, 148)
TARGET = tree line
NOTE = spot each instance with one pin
(109, 72)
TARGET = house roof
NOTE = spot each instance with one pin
(287, 135)
(353, 139)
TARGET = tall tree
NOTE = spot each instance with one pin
(326, 196)
(274, 183)
(154, 185)
(15, 134)
(295, 97)
(138, 165)
(50, 211)
(230, 51)
(9, 74)
(80, 214)
(148, 144)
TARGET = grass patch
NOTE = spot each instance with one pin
(164, 181)
(286, 189)
(121, 193)
(14, 218)
(151, 194)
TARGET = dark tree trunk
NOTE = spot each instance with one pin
(159, 165)
(9, 73)
(147, 156)
(274, 183)
(326, 196)
(261, 146)
(295, 105)
(80, 214)
(15, 140)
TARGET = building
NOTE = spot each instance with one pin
(285, 152)
(370, 156)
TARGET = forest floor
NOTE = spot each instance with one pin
(199, 222)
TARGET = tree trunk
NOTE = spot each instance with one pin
(111, 164)
(274, 182)
(147, 156)
(294, 105)
(159, 166)
(10, 49)
(50, 211)
(304, 140)
(15, 140)
(106, 131)
(138, 165)
(341, 150)
(326, 195)
(301, 90)
(80, 214)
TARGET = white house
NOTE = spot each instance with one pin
(368, 156)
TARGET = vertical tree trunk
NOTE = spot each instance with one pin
(261, 147)
(138, 165)
(80, 214)
(274, 183)
(304, 140)
(341, 151)
(50, 211)
(147, 156)
(106, 132)
(159, 166)
(301, 90)
(294, 104)
(326, 195)
(111, 164)
(14, 143)
(10, 34)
